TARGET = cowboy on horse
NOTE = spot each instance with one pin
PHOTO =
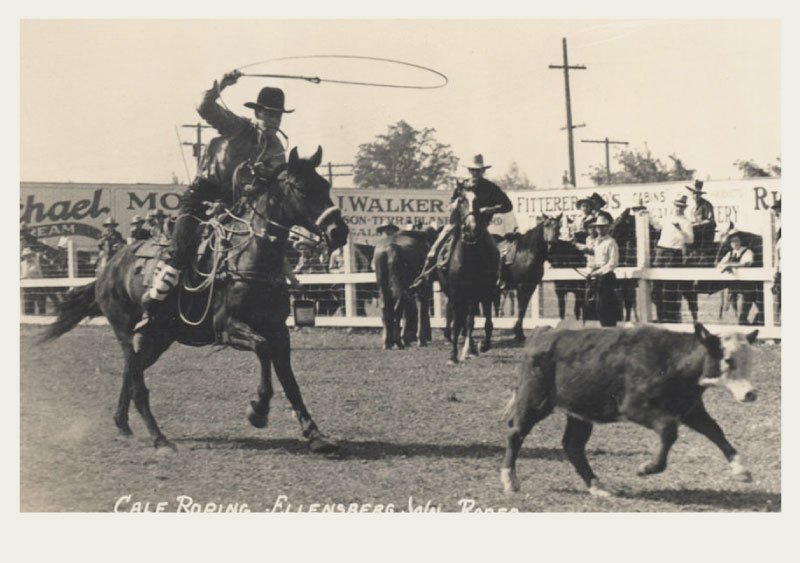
(243, 143)
(484, 198)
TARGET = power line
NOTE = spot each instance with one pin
(566, 67)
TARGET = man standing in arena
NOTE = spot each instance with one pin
(704, 225)
(241, 141)
(676, 235)
(486, 198)
(601, 280)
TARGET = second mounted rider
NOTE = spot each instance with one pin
(485, 199)
(242, 141)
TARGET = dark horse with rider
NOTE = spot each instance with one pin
(222, 279)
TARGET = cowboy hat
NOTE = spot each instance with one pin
(270, 99)
(698, 187)
(477, 163)
(301, 243)
(155, 214)
(388, 227)
(680, 202)
(110, 222)
(600, 221)
(136, 219)
(587, 200)
(598, 200)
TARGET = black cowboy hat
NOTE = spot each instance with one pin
(598, 200)
(698, 187)
(270, 99)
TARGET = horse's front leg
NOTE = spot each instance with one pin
(488, 326)
(280, 353)
(258, 410)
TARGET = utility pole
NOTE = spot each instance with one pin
(606, 142)
(566, 67)
(197, 147)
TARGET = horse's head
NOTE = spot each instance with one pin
(551, 226)
(300, 196)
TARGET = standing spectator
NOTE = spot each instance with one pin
(138, 232)
(110, 242)
(739, 256)
(599, 204)
(155, 222)
(602, 281)
(776, 283)
(312, 259)
(386, 228)
(704, 225)
(580, 230)
(676, 235)
(30, 268)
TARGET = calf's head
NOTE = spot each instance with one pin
(728, 362)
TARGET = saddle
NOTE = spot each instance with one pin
(508, 248)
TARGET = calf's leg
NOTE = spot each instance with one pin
(529, 405)
(576, 435)
(667, 431)
(700, 421)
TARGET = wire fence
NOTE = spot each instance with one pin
(344, 288)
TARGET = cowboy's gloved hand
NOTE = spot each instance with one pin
(230, 78)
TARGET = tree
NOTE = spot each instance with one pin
(640, 168)
(750, 169)
(404, 158)
(515, 179)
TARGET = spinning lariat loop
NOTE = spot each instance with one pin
(318, 80)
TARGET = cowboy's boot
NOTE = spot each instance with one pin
(430, 259)
(164, 282)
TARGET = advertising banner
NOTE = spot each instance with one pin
(52, 210)
(742, 202)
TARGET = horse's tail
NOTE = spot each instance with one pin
(77, 305)
(508, 411)
(381, 263)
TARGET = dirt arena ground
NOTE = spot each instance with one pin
(414, 433)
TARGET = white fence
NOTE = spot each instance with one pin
(539, 311)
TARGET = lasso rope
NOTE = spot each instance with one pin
(318, 80)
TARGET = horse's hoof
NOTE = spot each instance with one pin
(452, 362)
(598, 489)
(519, 336)
(257, 420)
(322, 445)
(649, 468)
(422, 344)
(162, 444)
(485, 347)
(743, 476)
(508, 477)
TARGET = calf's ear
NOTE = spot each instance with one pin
(751, 336)
(702, 334)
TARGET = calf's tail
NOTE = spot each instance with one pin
(77, 305)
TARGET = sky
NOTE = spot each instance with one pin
(100, 99)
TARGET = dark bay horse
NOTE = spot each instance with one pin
(469, 279)
(398, 259)
(247, 299)
(527, 267)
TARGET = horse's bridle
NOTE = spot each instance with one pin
(282, 179)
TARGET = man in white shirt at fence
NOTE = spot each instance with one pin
(676, 235)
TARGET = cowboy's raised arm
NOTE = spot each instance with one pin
(220, 118)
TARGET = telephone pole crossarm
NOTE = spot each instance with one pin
(607, 143)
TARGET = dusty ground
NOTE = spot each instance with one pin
(410, 427)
